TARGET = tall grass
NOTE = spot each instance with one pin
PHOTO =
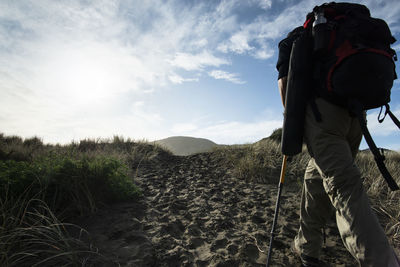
(41, 186)
(31, 235)
(384, 201)
(261, 162)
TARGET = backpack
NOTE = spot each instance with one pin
(353, 64)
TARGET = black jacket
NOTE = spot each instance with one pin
(285, 47)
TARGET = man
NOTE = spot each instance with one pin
(332, 182)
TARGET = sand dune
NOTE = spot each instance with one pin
(195, 213)
(184, 145)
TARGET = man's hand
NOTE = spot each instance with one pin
(282, 88)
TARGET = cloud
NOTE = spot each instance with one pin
(396, 47)
(233, 132)
(386, 128)
(255, 38)
(387, 10)
(177, 79)
(198, 61)
(77, 68)
(238, 43)
(223, 75)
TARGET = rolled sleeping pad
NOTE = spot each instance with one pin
(298, 89)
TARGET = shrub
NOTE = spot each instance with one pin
(31, 235)
(67, 184)
(276, 135)
(261, 162)
(41, 184)
(34, 142)
(384, 201)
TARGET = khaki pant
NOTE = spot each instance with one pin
(332, 184)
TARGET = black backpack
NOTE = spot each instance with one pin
(353, 63)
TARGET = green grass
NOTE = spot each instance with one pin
(31, 235)
(384, 201)
(261, 162)
(42, 186)
(72, 185)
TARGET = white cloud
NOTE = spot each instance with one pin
(238, 43)
(255, 38)
(388, 10)
(199, 61)
(66, 66)
(88, 68)
(233, 132)
(223, 75)
(177, 79)
(265, 4)
(386, 128)
(397, 48)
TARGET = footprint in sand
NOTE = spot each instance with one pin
(195, 213)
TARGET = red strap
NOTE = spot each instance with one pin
(346, 50)
(378, 51)
(342, 52)
(307, 23)
(332, 39)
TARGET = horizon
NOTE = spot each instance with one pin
(75, 70)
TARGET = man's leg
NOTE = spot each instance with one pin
(316, 209)
(334, 157)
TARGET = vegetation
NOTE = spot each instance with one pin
(43, 185)
(384, 201)
(261, 162)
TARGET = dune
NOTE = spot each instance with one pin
(194, 212)
(184, 145)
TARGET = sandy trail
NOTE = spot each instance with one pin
(195, 213)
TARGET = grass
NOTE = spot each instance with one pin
(31, 235)
(42, 186)
(384, 201)
(261, 162)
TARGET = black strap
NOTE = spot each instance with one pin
(381, 119)
(315, 110)
(392, 116)
(379, 157)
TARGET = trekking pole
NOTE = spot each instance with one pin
(281, 181)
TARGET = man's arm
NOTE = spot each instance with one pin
(282, 88)
(282, 65)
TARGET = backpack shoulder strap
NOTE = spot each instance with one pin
(356, 108)
(392, 116)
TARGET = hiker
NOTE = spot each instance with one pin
(332, 181)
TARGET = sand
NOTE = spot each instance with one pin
(194, 212)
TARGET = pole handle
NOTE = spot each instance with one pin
(283, 169)
(281, 181)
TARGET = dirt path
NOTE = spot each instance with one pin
(195, 213)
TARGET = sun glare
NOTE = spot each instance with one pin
(82, 76)
(87, 78)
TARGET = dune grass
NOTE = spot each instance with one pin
(42, 186)
(31, 235)
(384, 201)
(261, 162)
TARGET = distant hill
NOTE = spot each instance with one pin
(184, 145)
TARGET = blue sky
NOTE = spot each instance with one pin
(151, 69)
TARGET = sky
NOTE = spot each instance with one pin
(150, 69)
